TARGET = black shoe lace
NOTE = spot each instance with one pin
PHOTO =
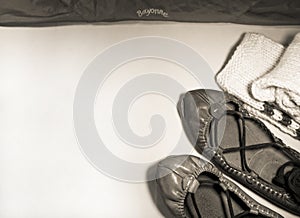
(228, 201)
(242, 139)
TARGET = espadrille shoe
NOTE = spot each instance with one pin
(192, 187)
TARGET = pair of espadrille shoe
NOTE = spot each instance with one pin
(238, 146)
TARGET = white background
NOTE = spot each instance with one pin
(42, 170)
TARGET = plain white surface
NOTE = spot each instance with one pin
(42, 170)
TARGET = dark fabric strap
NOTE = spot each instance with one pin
(60, 12)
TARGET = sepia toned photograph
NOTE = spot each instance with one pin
(147, 108)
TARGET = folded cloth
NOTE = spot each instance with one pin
(282, 84)
(255, 57)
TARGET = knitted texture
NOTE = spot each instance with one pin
(255, 57)
(282, 84)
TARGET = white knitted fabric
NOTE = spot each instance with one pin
(282, 84)
(255, 57)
